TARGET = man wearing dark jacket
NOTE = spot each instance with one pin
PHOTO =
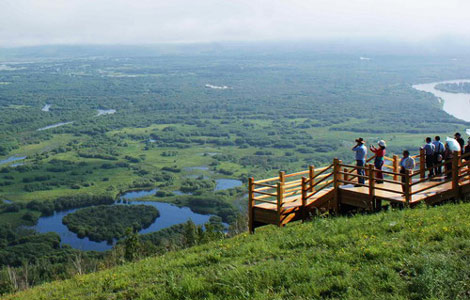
(459, 139)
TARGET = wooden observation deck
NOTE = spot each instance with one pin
(289, 197)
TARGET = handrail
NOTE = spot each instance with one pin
(265, 185)
(267, 194)
(264, 201)
(266, 180)
(263, 189)
(296, 174)
(292, 183)
(318, 190)
(299, 188)
(263, 196)
(322, 171)
(320, 181)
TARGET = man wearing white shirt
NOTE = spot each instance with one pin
(407, 163)
(429, 150)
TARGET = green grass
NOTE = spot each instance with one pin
(410, 254)
(14, 219)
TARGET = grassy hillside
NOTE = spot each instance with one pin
(422, 253)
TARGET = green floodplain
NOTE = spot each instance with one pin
(179, 122)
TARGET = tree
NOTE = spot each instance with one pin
(190, 234)
(131, 245)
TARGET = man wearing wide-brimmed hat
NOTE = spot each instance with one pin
(361, 153)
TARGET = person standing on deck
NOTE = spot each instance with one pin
(448, 156)
(439, 149)
(458, 138)
(407, 163)
(361, 154)
(466, 149)
(429, 150)
(379, 159)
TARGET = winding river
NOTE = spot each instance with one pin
(456, 104)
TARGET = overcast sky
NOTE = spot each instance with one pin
(37, 22)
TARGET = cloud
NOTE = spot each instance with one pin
(36, 22)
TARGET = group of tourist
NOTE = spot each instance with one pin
(435, 151)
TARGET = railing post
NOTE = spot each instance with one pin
(407, 187)
(371, 184)
(251, 204)
(304, 198)
(422, 163)
(311, 174)
(455, 171)
(396, 167)
(280, 199)
(336, 183)
(336, 174)
(346, 177)
(282, 177)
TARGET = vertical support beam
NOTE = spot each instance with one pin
(336, 183)
(422, 163)
(455, 172)
(280, 199)
(311, 174)
(407, 187)
(305, 188)
(251, 204)
(371, 175)
(396, 167)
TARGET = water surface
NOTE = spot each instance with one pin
(102, 112)
(169, 215)
(197, 168)
(11, 159)
(54, 125)
(225, 184)
(456, 104)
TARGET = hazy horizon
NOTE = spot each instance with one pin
(145, 22)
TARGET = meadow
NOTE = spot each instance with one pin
(399, 254)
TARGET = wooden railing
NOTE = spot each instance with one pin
(303, 186)
(278, 190)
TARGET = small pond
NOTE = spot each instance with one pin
(102, 112)
(11, 159)
(225, 184)
(197, 168)
(169, 215)
(54, 126)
